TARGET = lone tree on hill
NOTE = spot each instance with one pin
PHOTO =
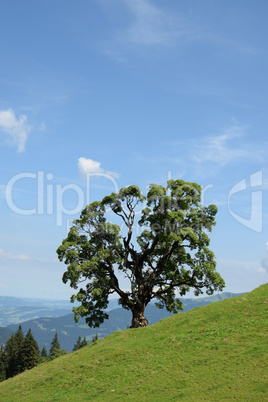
(170, 254)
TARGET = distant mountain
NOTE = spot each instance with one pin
(15, 310)
(8, 301)
(44, 328)
(17, 315)
(5, 334)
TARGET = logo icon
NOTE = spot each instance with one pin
(255, 220)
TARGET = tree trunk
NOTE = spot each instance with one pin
(138, 319)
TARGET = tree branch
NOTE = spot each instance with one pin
(115, 284)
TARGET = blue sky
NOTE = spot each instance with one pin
(130, 92)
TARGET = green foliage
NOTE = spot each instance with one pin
(171, 255)
(212, 353)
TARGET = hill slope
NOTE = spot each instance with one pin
(17, 310)
(44, 328)
(216, 352)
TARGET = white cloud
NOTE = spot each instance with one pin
(17, 129)
(261, 270)
(225, 148)
(11, 256)
(89, 166)
(23, 257)
(153, 26)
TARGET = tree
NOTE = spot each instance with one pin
(80, 343)
(55, 350)
(84, 342)
(30, 351)
(19, 354)
(11, 357)
(43, 354)
(19, 339)
(2, 364)
(170, 254)
(95, 338)
(54, 347)
(77, 345)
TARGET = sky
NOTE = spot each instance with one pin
(97, 95)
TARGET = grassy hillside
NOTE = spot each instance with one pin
(216, 352)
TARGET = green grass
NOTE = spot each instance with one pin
(212, 353)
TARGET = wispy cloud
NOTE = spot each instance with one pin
(154, 26)
(204, 157)
(89, 166)
(16, 128)
(24, 257)
(225, 148)
(11, 256)
(150, 26)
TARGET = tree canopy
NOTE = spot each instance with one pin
(166, 256)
